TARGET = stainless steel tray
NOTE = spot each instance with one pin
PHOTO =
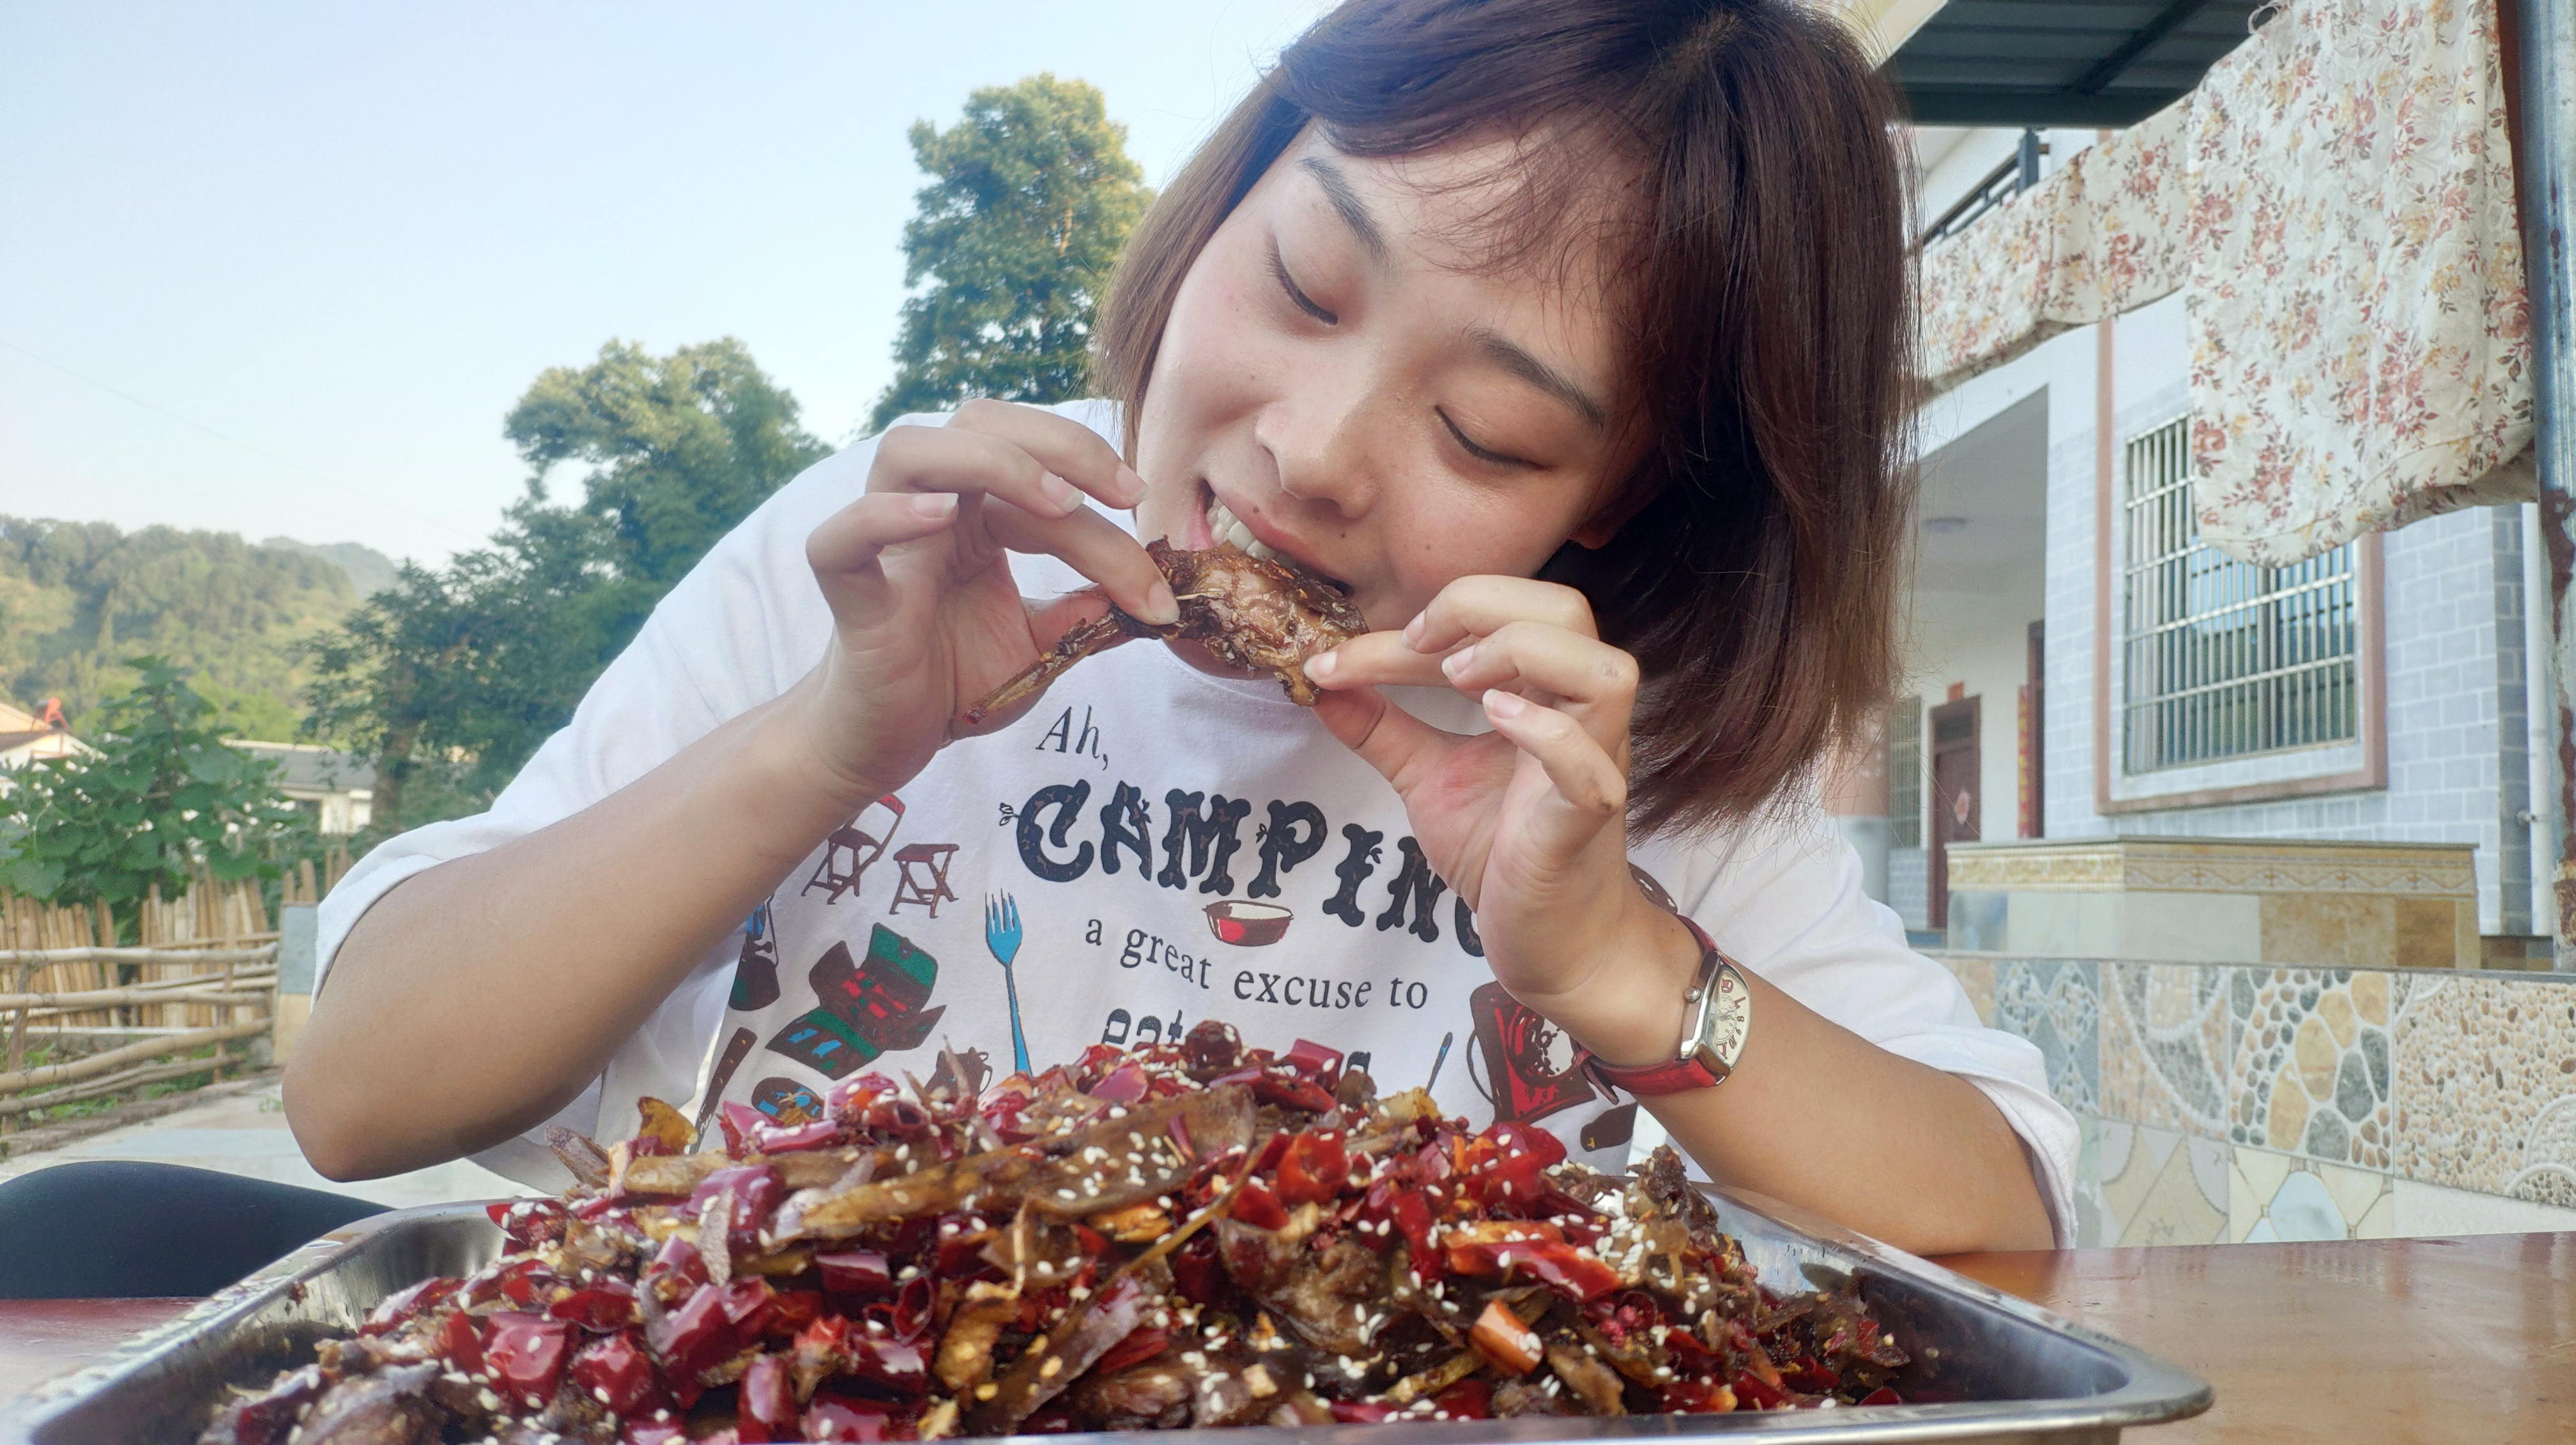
(2002, 1370)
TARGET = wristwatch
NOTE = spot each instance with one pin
(1721, 1008)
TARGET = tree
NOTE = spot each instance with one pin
(1031, 196)
(163, 797)
(450, 678)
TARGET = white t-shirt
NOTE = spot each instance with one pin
(1149, 847)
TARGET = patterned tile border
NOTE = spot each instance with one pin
(2277, 1197)
(2205, 865)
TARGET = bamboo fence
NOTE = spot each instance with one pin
(112, 1018)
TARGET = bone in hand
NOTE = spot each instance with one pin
(1251, 612)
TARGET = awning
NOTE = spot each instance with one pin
(2062, 62)
(2336, 201)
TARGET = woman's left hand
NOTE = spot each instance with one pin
(1528, 822)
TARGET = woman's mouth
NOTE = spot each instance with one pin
(1224, 526)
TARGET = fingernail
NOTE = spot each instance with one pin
(1505, 704)
(1161, 606)
(1320, 666)
(1456, 662)
(934, 505)
(1135, 484)
(1413, 629)
(1061, 492)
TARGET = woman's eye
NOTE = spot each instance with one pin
(1482, 454)
(1297, 294)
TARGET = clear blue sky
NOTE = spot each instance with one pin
(320, 249)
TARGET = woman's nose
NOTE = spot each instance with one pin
(1320, 438)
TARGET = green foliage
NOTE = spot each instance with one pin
(162, 798)
(1031, 196)
(449, 679)
(682, 447)
(78, 598)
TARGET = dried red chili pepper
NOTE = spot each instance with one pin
(527, 1359)
(616, 1372)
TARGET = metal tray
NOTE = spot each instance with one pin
(2002, 1369)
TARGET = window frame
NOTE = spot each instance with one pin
(2359, 764)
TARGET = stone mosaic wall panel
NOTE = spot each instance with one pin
(1977, 979)
(2312, 1068)
(2273, 1197)
(2157, 1186)
(2486, 1087)
(2168, 1040)
(2056, 1004)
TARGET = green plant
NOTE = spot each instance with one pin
(161, 798)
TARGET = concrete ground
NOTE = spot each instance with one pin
(245, 1133)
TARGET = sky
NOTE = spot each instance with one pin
(281, 268)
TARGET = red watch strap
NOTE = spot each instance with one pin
(1672, 1076)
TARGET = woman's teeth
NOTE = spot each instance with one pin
(1224, 526)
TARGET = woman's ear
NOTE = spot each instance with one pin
(1595, 534)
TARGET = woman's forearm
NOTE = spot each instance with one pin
(1817, 1116)
(477, 997)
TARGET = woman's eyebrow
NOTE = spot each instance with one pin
(1337, 189)
(1512, 357)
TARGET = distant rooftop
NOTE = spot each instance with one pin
(308, 765)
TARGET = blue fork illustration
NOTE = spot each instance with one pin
(1002, 936)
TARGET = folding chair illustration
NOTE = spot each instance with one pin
(852, 847)
(930, 888)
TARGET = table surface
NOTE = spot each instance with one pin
(2348, 1342)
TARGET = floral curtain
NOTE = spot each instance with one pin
(2336, 202)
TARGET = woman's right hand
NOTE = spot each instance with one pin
(926, 617)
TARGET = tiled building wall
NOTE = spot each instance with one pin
(2226, 1103)
(2458, 758)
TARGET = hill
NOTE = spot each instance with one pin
(370, 571)
(78, 598)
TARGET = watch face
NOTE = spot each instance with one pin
(1730, 1013)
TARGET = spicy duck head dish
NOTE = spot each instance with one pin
(1192, 1234)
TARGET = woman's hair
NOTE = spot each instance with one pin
(1762, 290)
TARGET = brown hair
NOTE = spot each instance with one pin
(1757, 565)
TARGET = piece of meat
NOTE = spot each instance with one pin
(389, 1408)
(1251, 612)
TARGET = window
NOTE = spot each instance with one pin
(2222, 658)
(1905, 773)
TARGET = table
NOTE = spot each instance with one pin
(39, 1338)
(2363, 1341)
(2348, 1342)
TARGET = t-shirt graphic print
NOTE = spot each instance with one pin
(1052, 886)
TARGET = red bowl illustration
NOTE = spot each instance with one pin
(1249, 925)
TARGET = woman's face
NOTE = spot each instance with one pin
(1344, 382)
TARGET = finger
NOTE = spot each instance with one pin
(845, 551)
(970, 463)
(1587, 678)
(1588, 793)
(1096, 547)
(1403, 748)
(1475, 606)
(1375, 659)
(1062, 445)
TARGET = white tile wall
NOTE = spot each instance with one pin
(2457, 728)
